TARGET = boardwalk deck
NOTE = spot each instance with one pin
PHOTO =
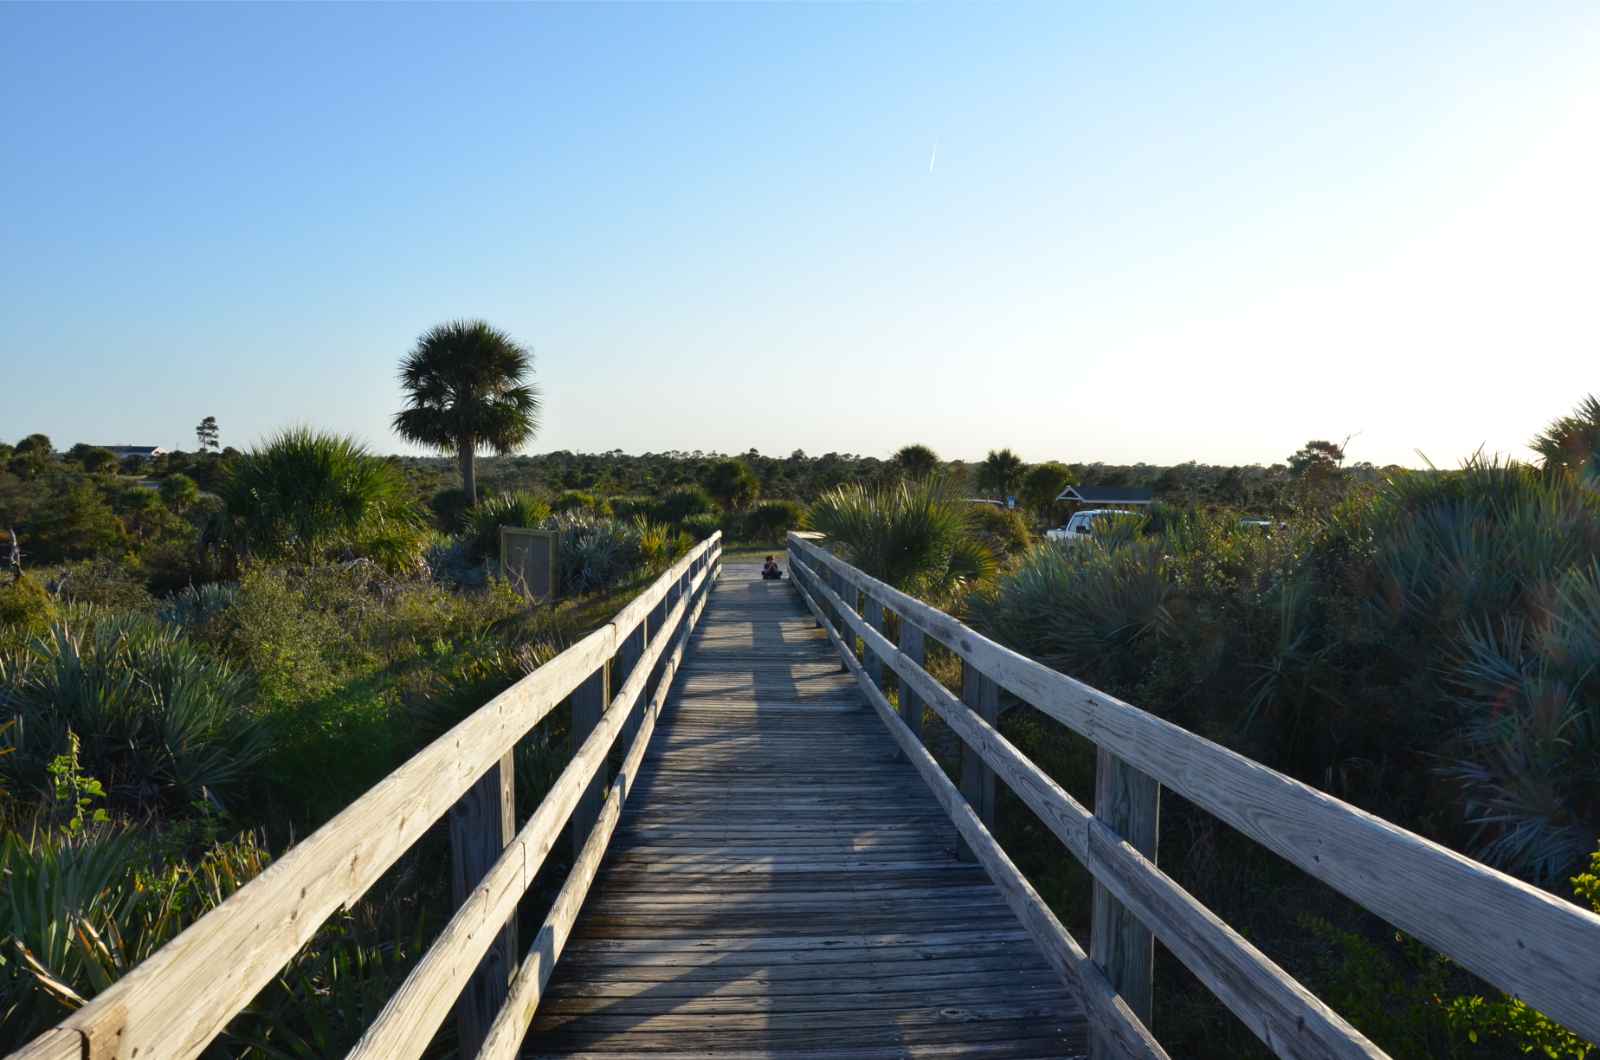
(782, 886)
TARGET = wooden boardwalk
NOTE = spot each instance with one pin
(783, 884)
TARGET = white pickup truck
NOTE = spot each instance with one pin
(1080, 527)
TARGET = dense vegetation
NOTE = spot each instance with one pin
(205, 655)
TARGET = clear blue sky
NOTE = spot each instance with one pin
(1118, 232)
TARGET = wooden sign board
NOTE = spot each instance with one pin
(528, 561)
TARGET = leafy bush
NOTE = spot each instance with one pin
(916, 536)
(26, 610)
(1439, 628)
(101, 582)
(162, 723)
(1002, 530)
(631, 507)
(579, 501)
(197, 607)
(769, 521)
(593, 552)
(681, 502)
(449, 507)
(508, 509)
(179, 491)
(733, 484)
(702, 526)
(307, 495)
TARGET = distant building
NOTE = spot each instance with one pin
(136, 452)
(1105, 496)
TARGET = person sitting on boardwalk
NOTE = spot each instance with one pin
(771, 571)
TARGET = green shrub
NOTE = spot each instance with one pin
(72, 521)
(579, 501)
(85, 909)
(309, 495)
(681, 502)
(631, 507)
(507, 509)
(594, 552)
(179, 491)
(733, 484)
(102, 582)
(26, 610)
(770, 521)
(916, 536)
(162, 723)
(701, 525)
(449, 507)
(1002, 530)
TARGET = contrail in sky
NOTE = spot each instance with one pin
(934, 157)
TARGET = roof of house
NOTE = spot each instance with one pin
(135, 450)
(1105, 495)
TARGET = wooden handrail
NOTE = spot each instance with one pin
(175, 1002)
(1526, 942)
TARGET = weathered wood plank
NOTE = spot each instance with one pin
(771, 835)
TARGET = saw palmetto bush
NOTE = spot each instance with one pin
(915, 535)
(1439, 634)
(80, 911)
(162, 724)
(308, 495)
(503, 509)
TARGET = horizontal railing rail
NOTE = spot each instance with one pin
(173, 1004)
(1528, 943)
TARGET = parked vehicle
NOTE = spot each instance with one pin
(1081, 527)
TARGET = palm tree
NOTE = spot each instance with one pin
(915, 460)
(1001, 472)
(466, 390)
(1572, 443)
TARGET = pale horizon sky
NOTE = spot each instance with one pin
(1113, 233)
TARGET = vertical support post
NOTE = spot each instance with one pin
(1129, 803)
(657, 618)
(872, 611)
(982, 695)
(482, 823)
(588, 703)
(796, 553)
(912, 647)
(628, 654)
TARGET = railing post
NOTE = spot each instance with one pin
(1128, 803)
(482, 822)
(808, 582)
(911, 646)
(982, 695)
(872, 611)
(628, 655)
(588, 703)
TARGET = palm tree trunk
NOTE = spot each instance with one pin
(469, 472)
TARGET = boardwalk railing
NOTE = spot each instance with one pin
(1527, 943)
(176, 1002)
